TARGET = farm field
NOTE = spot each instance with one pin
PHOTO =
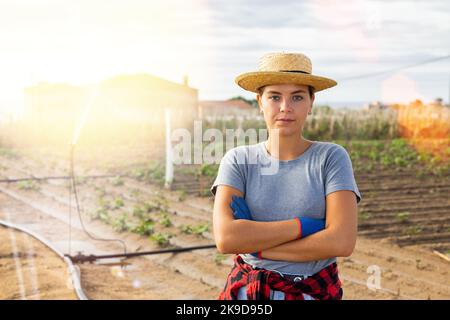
(116, 118)
(404, 219)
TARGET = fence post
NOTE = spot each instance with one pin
(169, 152)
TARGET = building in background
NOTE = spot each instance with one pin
(375, 105)
(134, 98)
(135, 102)
(223, 109)
(143, 97)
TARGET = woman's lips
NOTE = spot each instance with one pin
(284, 120)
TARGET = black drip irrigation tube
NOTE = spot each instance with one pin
(81, 258)
(74, 272)
(62, 178)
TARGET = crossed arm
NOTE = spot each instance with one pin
(277, 239)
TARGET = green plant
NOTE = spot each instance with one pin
(138, 173)
(420, 174)
(219, 258)
(423, 157)
(149, 207)
(205, 192)
(118, 203)
(158, 204)
(121, 224)
(436, 160)
(103, 203)
(199, 229)
(135, 193)
(402, 216)
(101, 192)
(386, 160)
(165, 220)
(363, 216)
(441, 169)
(371, 194)
(138, 212)
(346, 124)
(117, 181)
(160, 238)
(80, 180)
(161, 203)
(413, 230)
(145, 228)
(355, 155)
(155, 171)
(400, 161)
(28, 185)
(102, 215)
(8, 153)
(209, 170)
(182, 195)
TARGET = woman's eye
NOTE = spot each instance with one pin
(275, 98)
(297, 98)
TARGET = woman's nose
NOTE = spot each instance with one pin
(285, 106)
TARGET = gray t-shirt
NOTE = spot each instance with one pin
(280, 190)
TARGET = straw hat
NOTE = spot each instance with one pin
(283, 68)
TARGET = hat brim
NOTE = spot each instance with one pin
(252, 81)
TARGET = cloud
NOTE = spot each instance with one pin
(214, 41)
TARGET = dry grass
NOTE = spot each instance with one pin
(427, 127)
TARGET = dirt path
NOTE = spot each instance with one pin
(143, 280)
(31, 271)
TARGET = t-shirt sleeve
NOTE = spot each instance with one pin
(230, 173)
(339, 173)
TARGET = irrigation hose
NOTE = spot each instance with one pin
(33, 178)
(81, 258)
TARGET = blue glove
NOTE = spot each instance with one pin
(310, 226)
(241, 211)
(240, 208)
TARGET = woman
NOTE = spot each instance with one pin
(286, 206)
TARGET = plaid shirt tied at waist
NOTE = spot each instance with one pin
(323, 285)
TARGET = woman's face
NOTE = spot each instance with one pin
(285, 107)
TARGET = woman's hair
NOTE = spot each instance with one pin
(310, 90)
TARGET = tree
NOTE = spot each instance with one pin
(251, 102)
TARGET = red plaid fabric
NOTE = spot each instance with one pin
(323, 285)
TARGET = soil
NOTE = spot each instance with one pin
(388, 241)
(31, 271)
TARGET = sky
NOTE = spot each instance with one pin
(86, 41)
